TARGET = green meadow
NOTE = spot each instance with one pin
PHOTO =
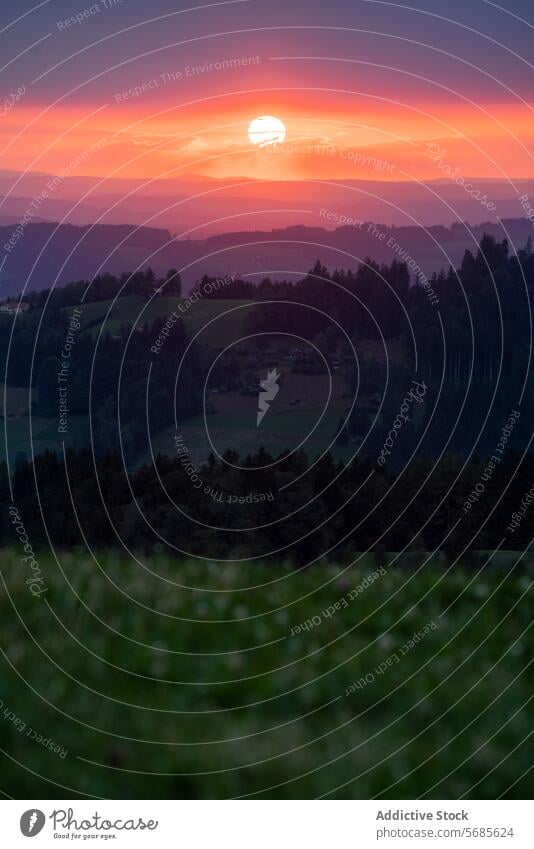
(135, 310)
(171, 678)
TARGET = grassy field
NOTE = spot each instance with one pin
(232, 417)
(18, 400)
(44, 430)
(44, 433)
(228, 430)
(133, 310)
(177, 679)
(232, 421)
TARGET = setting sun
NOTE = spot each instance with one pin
(266, 130)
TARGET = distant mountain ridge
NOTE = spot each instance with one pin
(48, 254)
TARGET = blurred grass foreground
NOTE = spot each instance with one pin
(176, 679)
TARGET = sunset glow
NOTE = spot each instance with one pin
(373, 141)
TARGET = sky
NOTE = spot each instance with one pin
(366, 89)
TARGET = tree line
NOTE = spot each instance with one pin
(332, 511)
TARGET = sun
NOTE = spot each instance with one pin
(266, 130)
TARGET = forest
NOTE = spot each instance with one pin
(470, 352)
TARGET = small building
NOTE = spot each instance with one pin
(13, 308)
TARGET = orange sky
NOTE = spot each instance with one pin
(330, 136)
